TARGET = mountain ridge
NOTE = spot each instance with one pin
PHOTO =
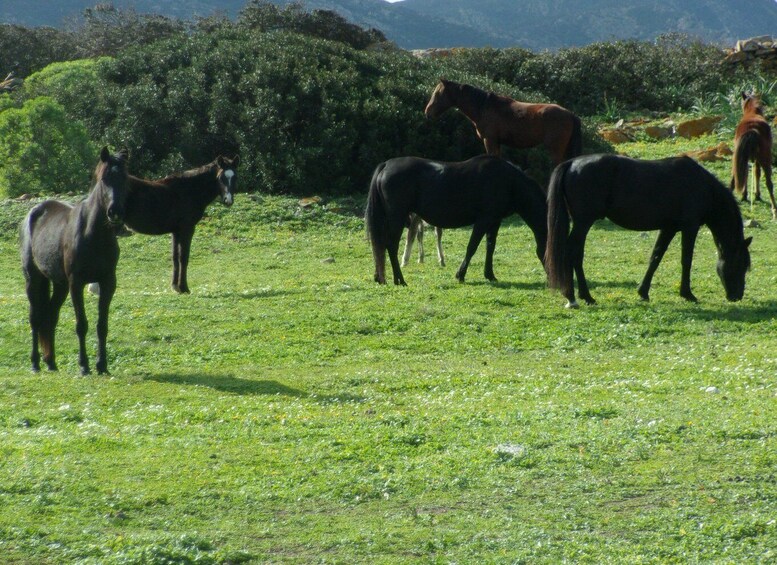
(418, 24)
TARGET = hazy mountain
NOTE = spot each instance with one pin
(537, 24)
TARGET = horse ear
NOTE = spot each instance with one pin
(220, 160)
(235, 160)
(124, 153)
(744, 95)
(105, 154)
(748, 241)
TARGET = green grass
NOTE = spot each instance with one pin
(291, 410)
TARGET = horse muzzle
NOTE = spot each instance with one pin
(227, 199)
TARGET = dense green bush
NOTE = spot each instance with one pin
(664, 75)
(42, 150)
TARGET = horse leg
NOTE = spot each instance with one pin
(688, 243)
(440, 254)
(767, 166)
(757, 180)
(488, 270)
(49, 331)
(82, 325)
(107, 289)
(662, 243)
(37, 288)
(412, 230)
(176, 262)
(576, 250)
(492, 147)
(420, 238)
(393, 249)
(478, 231)
(185, 243)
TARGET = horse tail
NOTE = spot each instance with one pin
(575, 144)
(745, 149)
(558, 229)
(375, 222)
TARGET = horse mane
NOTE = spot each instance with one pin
(478, 96)
(187, 176)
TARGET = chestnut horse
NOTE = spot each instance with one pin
(753, 142)
(501, 120)
(67, 247)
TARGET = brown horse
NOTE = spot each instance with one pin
(501, 120)
(66, 247)
(753, 142)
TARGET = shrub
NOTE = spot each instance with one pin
(42, 150)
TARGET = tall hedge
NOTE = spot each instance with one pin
(43, 151)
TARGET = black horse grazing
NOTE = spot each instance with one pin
(176, 203)
(670, 195)
(67, 247)
(480, 192)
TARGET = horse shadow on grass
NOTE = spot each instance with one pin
(735, 312)
(249, 387)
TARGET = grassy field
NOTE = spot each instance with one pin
(290, 410)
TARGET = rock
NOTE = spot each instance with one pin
(712, 390)
(697, 127)
(704, 155)
(308, 202)
(752, 224)
(724, 150)
(328, 260)
(615, 135)
(25, 197)
(659, 132)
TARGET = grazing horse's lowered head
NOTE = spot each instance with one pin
(732, 268)
(111, 184)
(226, 175)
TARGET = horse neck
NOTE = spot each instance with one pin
(725, 222)
(201, 187)
(92, 211)
(532, 206)
(463, 100)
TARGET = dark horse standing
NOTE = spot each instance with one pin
(480, 192)
(753, 142)
(67, 247)
(501, 120)
(176, 203)
(670, 195)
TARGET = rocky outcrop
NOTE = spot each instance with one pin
(756, 50)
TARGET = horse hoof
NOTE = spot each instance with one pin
(690, 297)
(590, 301)
(572, 305)
(85, 371)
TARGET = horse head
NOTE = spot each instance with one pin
(111, 176)
(440, 99)
(732, 269)
(226, 175)
(752, 104)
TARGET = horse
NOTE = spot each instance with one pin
(176, 203)
(753, 142)
(669, 195)
(65, 247)
(501, 120)
(481, 192)
(415, 231)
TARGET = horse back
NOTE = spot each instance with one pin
(755, 122)
(154, 208)
(636, 194)
(42, 234)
